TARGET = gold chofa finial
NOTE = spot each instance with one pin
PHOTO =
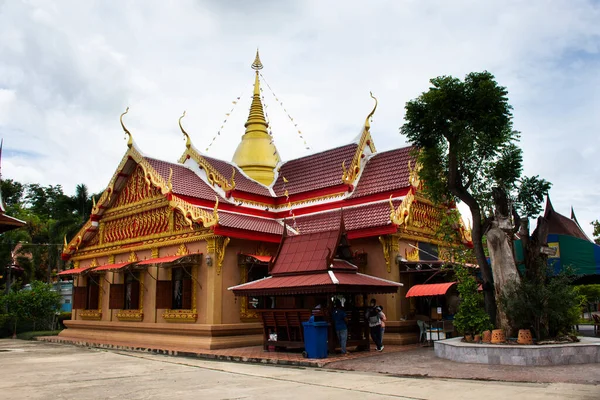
(257, 65)
(188, 141)
(367, 123)
(130, 140)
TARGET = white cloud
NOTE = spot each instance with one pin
(68, 69)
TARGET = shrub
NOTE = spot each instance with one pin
(471, 317)
(548, 308)
(38, 305)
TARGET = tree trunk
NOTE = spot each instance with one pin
(504, 270)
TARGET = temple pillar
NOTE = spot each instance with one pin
(215, 248)
(389, 245)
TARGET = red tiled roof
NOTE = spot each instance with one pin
(432, 289)
(185, 181)
(250, 223)
(360, 217)
(384, 172)
(306, 253)
(317, 282)
(338, 264)
(242, 183)
(316, 171)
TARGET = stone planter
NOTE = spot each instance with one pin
(524, 337)
(498, 336)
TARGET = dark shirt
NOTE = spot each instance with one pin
(339, 317)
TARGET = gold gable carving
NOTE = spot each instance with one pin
(136, 189)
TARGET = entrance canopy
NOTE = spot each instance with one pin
(432, 289)
(111, 267)
(315, 262)
(172, 261)
(322, 282)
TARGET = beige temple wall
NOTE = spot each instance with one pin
(232, 274)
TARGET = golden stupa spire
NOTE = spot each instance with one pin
(256, 155)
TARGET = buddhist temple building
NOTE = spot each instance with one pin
(197, 251)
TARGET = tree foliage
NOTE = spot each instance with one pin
(596, 226)
(50, 215)
(467, 146)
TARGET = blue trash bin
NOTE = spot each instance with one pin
(315, 338)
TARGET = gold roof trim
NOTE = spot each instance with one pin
(214, 177)
(349, 175)
(188, 141)
(130, 139)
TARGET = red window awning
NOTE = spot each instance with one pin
(262, 259)
(111, 267)
(432, 289)
(75, 271)
(168, 259)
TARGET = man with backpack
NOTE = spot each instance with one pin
(374, 317)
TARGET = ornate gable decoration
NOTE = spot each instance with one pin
(350, 175)
(139, 215)
(212, 175)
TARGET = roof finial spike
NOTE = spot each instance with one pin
(130, 140)
(188, 141)
(257, 65)
(367, 122)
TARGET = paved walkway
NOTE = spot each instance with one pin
(254, 354)
(422, 362)
(38, 370)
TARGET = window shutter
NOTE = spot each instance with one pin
(164, 294)
(135, 295)
(93, 296)
(187, 294)
(79, 294)
(117, 296)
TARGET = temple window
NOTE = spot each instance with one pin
(132, 291)
(93, 293)
(175, 294)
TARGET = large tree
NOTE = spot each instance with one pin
(467, 147)
(596, 226)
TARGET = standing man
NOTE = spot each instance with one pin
(374, 316)
(341, 328)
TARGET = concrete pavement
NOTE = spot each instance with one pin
(37, 370)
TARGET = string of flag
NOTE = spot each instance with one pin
(265, 109)
(289, 203)
(306, 145)
(227, 115)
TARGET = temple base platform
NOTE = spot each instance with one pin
(199, 336)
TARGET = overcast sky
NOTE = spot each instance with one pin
(69, 68)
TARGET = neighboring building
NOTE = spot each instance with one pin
(166, 240)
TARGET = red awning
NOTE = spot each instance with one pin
(111, 266)
(433, 289)
(75, 271)
(262, 259)
(165, 260)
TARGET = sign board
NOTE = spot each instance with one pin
(439, 310)
(549, 251)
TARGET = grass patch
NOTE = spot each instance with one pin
(34, 334)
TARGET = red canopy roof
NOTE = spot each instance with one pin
(432, 289)
(317, 282)
(306, 253)
(165, 260)
(75, 271)
(111, 266)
